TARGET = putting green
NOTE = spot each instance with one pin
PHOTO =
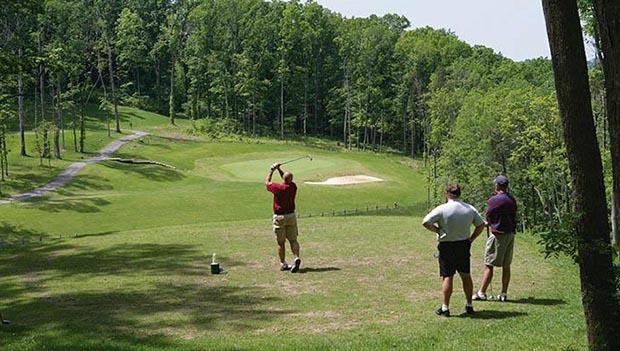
(320, 168)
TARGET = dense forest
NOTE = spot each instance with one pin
(296, 69)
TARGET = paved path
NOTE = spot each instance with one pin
(73, 169)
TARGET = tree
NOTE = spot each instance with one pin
(106, 13)
(591, 226)
(131, 44)
(607, 15)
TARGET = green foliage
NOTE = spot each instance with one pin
(216, 128)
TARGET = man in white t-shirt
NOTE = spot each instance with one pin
(452, 223)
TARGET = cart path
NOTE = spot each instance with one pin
(73, 169)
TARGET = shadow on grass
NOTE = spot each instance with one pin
(150, 172)
(491, 314)
(81, 205)
(138, 296)
(536, 301)
(11, 234)
(318, 269)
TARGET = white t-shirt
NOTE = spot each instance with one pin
(454, 218)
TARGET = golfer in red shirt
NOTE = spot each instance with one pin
(284, 220)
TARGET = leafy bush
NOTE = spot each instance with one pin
(216, 128)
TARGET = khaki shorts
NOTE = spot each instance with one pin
(498, 251)
(285, 227)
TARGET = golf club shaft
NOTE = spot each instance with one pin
(293, 160)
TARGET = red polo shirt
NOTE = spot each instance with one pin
(283, 197)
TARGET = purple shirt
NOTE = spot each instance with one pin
(502, 213)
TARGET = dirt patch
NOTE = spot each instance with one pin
(348, 180)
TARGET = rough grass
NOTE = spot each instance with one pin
(123, 261)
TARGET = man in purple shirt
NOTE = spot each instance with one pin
(502, 221)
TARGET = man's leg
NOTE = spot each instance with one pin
(487, 277)
(468, 287)
(282, 251)
(505, 279)
(446, 289)
(295, 247)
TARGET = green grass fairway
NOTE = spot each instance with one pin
(119, 259)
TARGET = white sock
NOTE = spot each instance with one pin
(444, 307)
(469, 305)
(481, 294)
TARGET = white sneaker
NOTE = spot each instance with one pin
(479, 296)
(502, 297)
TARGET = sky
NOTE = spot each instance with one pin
(516, 28)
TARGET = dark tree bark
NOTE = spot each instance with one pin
(591, 226)
(607, 14)
(112, 86)
(20, 103)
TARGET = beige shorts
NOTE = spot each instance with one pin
(285, 227)
(499, 249)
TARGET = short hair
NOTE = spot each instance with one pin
(453, 189)
(288, 176)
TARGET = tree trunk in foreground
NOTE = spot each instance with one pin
(591, 226)
(607, 13)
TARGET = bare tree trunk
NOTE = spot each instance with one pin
(82, 129)
(305, 103)
(281, 107)
(112, 86)
(57, 120)
(171, 108)
(592, 228)
(607, 14)
(20, 103)
(253, 115)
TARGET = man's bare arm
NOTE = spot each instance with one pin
(477, 231)
(280, 170)
(269, 175)
(432, 227)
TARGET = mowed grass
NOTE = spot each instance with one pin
(123, 261)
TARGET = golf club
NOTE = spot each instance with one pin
(297, 159)
(4, 321)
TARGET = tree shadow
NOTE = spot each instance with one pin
(171, 300)
(491, 314)
(318, 269)
(147, 171)
(80, 205)
(11, 234)
(536, 301)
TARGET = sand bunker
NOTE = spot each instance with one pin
(347, 180)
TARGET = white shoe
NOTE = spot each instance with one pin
(479, 296)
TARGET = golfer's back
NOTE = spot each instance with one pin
(455, 219)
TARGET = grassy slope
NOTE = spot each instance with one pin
(131, 270)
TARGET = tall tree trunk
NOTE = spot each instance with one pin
(74, 127)
(57, 122)
(317, 98)
(592, 228)
(171, 109)
(20, 104)
(305, 103)
(253, 115)
(112, 86)
(82, 129)
(281, 107)
(35, 109)
(607, 13)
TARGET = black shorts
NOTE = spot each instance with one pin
(453, 257)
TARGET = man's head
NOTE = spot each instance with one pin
(501, 183)
(453, 191)
(288, 177)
